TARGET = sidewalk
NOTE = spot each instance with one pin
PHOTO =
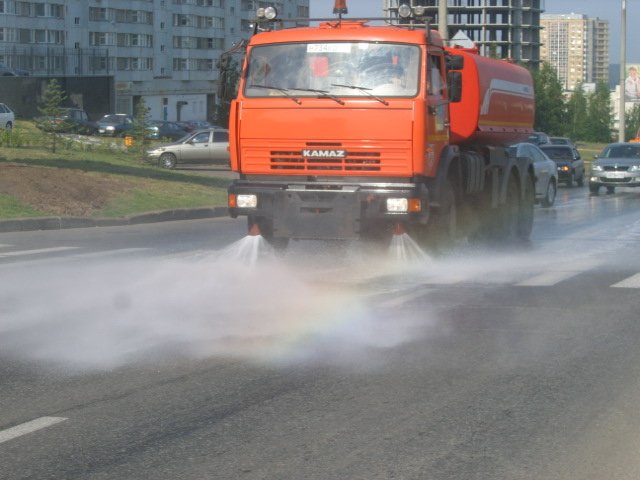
(57, 223)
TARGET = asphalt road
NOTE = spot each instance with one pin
(165, 351)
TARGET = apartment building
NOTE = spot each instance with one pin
(162, 50)
(507, 29)
(577, 47)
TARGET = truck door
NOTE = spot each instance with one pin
(437, 121)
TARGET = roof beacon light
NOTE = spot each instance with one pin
(340, 7)
(404, 11)
(419, 11)
(260, 13)
(270, 13)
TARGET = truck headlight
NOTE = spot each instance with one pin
(246, 201)
(404, 205)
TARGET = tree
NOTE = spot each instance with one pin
(576, 125)
(550, 116)
(599, 114)
(51, 107)
(139, 130)
(227, 87)
(632, 122)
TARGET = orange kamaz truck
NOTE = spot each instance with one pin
(354, 128)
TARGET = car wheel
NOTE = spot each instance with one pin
(168, 160)
(570, 181)
(9, 126)
(593, 189)
(550, 197)
(611, 189)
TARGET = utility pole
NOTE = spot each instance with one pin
(443, 26)
(623, 61)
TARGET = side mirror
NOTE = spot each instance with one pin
(454, 82)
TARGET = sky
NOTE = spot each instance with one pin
(604, 9)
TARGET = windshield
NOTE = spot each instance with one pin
(621, 151)
(356, 69)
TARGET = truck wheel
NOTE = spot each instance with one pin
(593, 189)
(168, 160)
(580, 181)
(509, 213)
(525, 212)
(442, 230)
(550, 197)
(611, 189)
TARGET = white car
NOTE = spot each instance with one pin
(7, 117)
(546, 171)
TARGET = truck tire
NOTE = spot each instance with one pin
(509, 214)
(525, 212)
(441, 233)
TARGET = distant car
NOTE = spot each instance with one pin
(7, 117)
(7, 71)
(159, 129)
(570, 164)
(202, 146)
(192, 125)
(545, 170)
(561, 141)
(618, 165)
(538, 138)
(72, 120)
(115, 124)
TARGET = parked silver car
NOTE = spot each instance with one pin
(545, 169)
(7, 117)
(618, 165)
(210, 145)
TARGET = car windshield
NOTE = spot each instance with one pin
(558, 153)
(113, 119)
(356, 69)
(621, 151)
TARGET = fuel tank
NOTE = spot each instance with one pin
(497, 104)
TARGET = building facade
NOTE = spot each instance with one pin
(577, 47)
(507, 29)
(162, 50)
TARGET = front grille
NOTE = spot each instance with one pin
(618, 180)
(350, 161)
(615, 168)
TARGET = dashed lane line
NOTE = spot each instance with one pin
(28, 427)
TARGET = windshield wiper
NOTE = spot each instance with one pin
(282, 90)
(363, 90)
(322, 93)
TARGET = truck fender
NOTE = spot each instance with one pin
(449, 160)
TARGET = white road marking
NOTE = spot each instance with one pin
(36, 251)
(631, 282)
(28, 427)
(547, 279)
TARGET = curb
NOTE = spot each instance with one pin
(59, 223)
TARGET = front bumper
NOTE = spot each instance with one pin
(328, 210)
(615, 179)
